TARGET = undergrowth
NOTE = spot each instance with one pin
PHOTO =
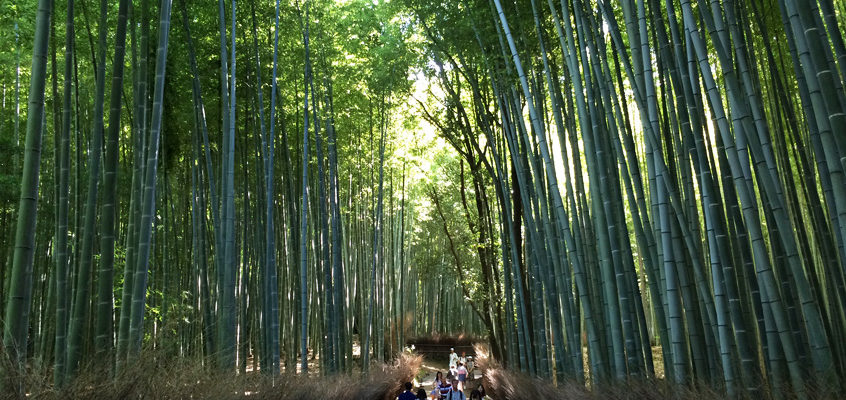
(158, 377)
(167, 378)
(504, 384)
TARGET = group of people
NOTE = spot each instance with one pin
(445, 389)
(450, 388)
(459, 366)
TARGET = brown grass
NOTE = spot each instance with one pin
(501, 383)
(504, 384)
(159, 378)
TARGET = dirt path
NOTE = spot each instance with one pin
(430, 368)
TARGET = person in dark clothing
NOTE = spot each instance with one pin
(407, 394)
(421, 394)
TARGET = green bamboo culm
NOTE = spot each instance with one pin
(303, 314)
(139, 289)
(199, 199)
(62, 289)
(82, 295)
(139, 142)
(338, 282)
(377, 245)
(105, 314)
(271, 305)
(227, 268)
(16, 321)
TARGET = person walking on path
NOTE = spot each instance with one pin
(446, 387)
(453, 358)
(455, 393)
(436, 389)
(461, 375)
(407, 395)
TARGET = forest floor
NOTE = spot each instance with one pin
(163, 377)
(166, 378)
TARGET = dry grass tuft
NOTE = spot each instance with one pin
(501, 383)
(166, 378)
(505, 384)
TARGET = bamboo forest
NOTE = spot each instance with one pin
(309, 199)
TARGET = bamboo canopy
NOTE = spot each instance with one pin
(602, 191)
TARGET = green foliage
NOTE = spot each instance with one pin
(9, 180)
(622, 172)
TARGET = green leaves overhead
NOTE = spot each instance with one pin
(627, 177)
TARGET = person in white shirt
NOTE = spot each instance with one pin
(453, 358)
